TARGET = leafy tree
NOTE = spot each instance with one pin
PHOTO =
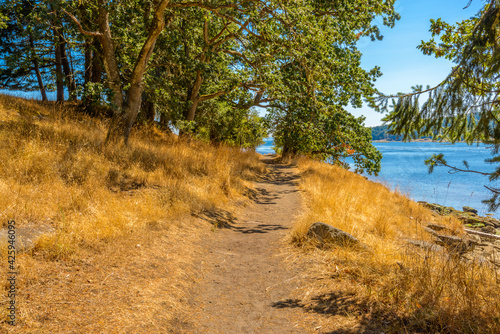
(222, 123)
(216, 61)
(125, 84)
(321, 75)
(464, 106)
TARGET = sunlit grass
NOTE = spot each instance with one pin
(119, 238)
(417, 290)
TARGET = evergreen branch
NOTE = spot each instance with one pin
(493, 190)
(465, 57)
(456, 169)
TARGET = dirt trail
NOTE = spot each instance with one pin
(245, 277)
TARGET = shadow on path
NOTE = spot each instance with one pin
(220, 218)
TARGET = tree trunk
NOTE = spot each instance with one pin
(59, 74)
(125, 118)
(148, 113)
(96, 75)
(37, 69)
(70, 82)
(109, 59)
(287, 151)
(88, 63)
(193, 98)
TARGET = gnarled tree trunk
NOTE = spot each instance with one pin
(126, 104)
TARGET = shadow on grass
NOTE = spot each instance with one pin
(370, 320)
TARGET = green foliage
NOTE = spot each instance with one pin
(319, 73)
(95, 94)
(224, 124)
(464, 106)
(332, 135)
(213, 62)
(3, 21)
(435, 160)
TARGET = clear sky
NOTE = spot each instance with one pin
(402, 65)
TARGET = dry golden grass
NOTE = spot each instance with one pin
(392, 287)
(101, 202)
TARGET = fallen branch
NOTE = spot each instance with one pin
(483, 234)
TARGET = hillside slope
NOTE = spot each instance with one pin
(113, 231)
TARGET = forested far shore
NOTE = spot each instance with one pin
(381, 133)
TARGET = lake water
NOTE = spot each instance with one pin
(403, 169)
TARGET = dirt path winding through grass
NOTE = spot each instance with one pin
(245, 277)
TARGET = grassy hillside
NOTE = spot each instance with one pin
(117, 223)
(391, 286)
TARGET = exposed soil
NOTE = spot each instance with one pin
(245, 277)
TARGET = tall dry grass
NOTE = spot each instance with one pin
(55, 169)
(56, 175)
(397, 287)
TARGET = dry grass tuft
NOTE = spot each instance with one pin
(393, 287)
(56, 171)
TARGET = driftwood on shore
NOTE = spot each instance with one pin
(482, 234)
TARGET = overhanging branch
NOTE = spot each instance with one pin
(79, 25)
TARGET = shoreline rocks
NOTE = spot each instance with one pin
(483, 240)
(468, 217)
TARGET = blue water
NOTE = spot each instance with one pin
(267, 147)
(403, 169)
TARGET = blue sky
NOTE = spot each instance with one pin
(402, 65)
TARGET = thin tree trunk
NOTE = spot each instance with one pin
(59, 74)
(147, 110)
(67, 69)
(194, 98)
(58, 58)
(109, 58)
(37, 69)
(88, 63)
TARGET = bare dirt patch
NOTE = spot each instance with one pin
(245, 276)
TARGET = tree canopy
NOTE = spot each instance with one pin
(204, 66)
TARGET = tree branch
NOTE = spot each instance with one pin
(456, 169)
(214, 95)
(80, 28)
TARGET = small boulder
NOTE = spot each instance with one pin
(325, 233)
(469, 209)
(440, 209)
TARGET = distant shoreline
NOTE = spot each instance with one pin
(425, 140)
(420, 140)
